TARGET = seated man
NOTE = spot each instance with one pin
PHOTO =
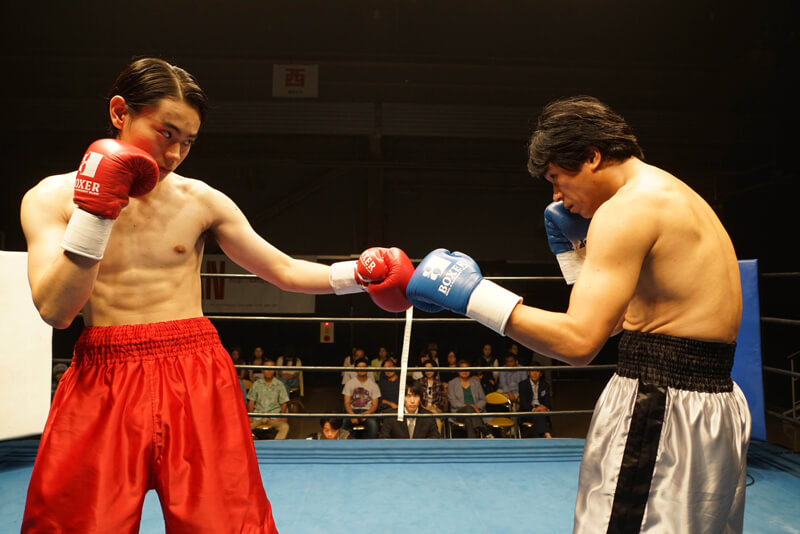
(389, 385)
(268, 395)
(331, 430)
(411, 427)
(534, 396)
(509, 380)
(466, 395)
(361, 395)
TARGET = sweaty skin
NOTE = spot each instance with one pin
(151, 268)
(657, 260)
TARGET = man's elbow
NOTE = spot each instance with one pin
(56, 318)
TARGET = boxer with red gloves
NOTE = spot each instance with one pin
(121, 239)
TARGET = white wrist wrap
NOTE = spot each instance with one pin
(87, 234)
(571, 263)
(342, 276)
(491, 305)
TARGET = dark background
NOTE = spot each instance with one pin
(418, 137)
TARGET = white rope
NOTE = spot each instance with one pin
(404, 363)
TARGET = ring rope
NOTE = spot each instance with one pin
(504, 278)
(339, 319)
(412, 369)
(404, 363)
(383, 415)
(423, 369)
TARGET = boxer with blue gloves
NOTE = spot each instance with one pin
(655, 261)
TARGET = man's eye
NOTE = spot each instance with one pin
(167, 134)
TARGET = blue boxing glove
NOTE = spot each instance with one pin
(566, 234)
(453, 281)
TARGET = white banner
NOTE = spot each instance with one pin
(246, 295)
(25, 360)
(295, 81)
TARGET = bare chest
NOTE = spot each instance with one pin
(150, 239)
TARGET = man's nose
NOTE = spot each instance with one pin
(557, 196)
(173, 153)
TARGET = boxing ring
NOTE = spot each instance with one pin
(446, 486)
(451, 485)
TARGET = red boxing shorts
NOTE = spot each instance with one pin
(148, 406)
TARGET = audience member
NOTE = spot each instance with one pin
(434, 398)
(383, 354)
(389, 385)
(331, 429)
(465, 395)
(268, 395)
(424, 357)
(508, 384)
(293, 380)
(257, 359)
(534, 396)
(361, 396)
(350, 361)
(487, 379)
(452, 361)
(433, 350)
(411, 427)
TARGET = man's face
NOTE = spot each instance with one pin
(464, 374)
(361, 370)
(166, 132)
(258, 352)
(535, 375)
(268, 373)
(382, 353)
(487, 350)
(579, 191)
(389, 363)
(358, 355)
(330, 432)
(411, 402)
(511, 361)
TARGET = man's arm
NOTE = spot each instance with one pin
(347, 407)
(620, 237)
(382, 272)
(478, 395)
(61, 282)
(453, 398)
(246, 248)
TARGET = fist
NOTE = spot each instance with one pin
(566, 235)
(110, 172)
(387, 271)
(444, 279)
(371, 266)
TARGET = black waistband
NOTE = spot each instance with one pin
(676, 362)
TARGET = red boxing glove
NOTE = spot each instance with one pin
(387, 291)
(370, 266)
(112, 171)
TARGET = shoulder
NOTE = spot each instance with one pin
(53, 189)
(642, 200)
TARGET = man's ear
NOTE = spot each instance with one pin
(118, 111)
(595, 160)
